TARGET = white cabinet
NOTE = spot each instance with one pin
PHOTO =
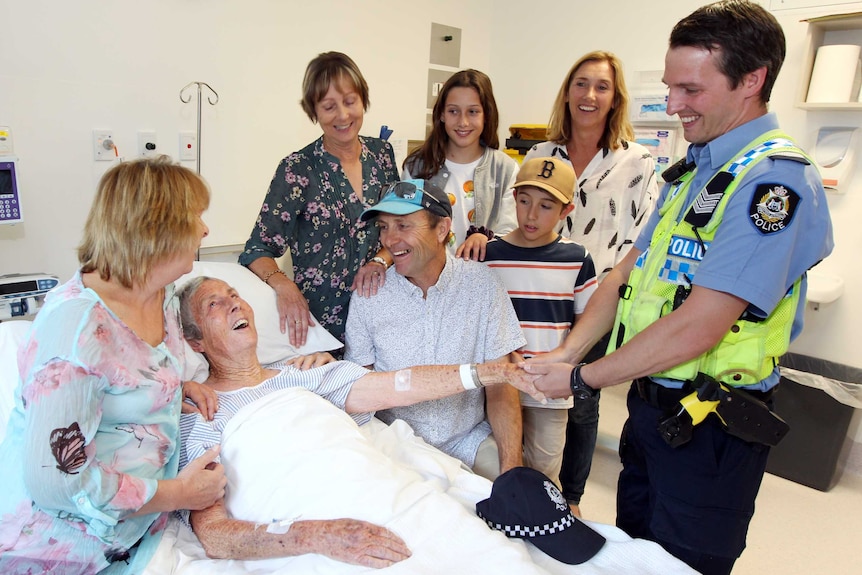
(827, 30)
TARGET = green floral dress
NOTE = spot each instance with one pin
(312, 210)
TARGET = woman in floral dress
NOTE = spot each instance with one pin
(90, 456)
(314, 202)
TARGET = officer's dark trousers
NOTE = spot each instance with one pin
(695, 500)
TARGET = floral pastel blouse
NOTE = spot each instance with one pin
(95, 426)
(312, 210)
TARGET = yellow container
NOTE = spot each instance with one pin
(515, 155)
(529, 131)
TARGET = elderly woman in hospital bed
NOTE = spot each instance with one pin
(218, 323)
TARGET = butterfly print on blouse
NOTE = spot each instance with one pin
(113, 555)
(67, 445)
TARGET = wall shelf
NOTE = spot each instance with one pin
(825, 30)
(832, 106)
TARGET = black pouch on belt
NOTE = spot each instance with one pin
(750, 419)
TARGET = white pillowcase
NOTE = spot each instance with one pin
(272, 345)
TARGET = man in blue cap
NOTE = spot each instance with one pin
(437, 309)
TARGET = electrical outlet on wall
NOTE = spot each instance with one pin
(188, 147)
(147, 145)
(104, 148)
(6, 147)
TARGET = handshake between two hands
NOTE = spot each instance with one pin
(541, 381)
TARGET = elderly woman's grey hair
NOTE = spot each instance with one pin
(191, 329)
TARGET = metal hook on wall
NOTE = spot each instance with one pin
(186, 99)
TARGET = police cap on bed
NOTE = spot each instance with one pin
(524, 503)
(402, 198)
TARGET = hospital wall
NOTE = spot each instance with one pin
(67, 68)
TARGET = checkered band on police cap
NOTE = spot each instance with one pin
(524, 503)
(530, 530)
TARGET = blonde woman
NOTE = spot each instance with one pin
(91, 454)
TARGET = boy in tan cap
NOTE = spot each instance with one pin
(549, 279)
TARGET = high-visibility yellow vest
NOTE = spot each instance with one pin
(662, 276)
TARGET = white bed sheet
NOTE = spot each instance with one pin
(319, 465)
(440, 527)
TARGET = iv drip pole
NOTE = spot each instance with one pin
(186, 99)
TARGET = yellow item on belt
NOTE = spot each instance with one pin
(697, 409)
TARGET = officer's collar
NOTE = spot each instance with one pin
(726, 147)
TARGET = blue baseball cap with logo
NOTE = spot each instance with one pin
(409, 196)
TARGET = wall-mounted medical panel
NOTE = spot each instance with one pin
(10, 200)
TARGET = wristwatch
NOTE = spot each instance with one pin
(580, 390)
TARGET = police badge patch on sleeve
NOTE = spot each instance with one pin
(772, 207)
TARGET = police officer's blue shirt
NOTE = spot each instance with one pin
(743, 260)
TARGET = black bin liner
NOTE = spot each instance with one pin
(815, 448)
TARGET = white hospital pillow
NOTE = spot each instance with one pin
(12, 335)
(272, 345)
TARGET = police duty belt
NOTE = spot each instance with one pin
(740, 414)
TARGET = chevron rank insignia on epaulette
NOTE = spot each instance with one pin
(793, 156)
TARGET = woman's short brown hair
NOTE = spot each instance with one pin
(618, 126)
(144, 212)
(327, 69)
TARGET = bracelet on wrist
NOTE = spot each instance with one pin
(474, 373)
(269, 274)
(379, 260)
(470, 376)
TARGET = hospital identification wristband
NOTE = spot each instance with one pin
(469, 376)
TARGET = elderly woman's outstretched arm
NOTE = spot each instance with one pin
(347, 540)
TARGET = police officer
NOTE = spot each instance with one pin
(714, 289)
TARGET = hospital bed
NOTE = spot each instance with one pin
(315, 463)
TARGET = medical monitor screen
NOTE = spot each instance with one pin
(10, 206)
(18, 287)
